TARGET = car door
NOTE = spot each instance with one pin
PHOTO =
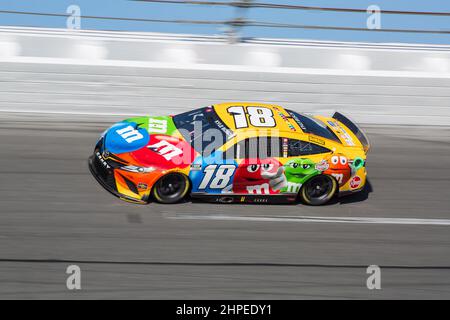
(212, 173)
(258, 172)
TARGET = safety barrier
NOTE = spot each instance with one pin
(70, 71)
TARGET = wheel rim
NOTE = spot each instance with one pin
(171, 186)
(319, 188)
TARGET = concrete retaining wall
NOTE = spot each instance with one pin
(63, 71)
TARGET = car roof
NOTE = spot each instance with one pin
(284, 122)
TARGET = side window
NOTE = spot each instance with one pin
(236, 151)
(303, 148)
(258, 147)
(272, 147)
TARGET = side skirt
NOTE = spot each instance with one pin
(247, 198)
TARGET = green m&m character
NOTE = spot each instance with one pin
(297, 171)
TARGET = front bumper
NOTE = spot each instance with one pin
(105, 176)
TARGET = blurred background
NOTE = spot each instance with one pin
(171, 55)
(370, 60)
(69, 69)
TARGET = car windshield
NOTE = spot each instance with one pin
(202, 128)
(314, 126)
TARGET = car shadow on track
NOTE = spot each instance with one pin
(356, 197)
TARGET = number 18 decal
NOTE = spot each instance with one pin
(217, 176)
(258, 116)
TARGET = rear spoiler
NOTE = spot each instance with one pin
(353, 128)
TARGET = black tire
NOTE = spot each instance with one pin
(318, 190)
(171, 188)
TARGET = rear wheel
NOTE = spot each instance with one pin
(171, 188)
(318, 190)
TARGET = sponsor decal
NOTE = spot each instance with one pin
(217, 176)
(293, 187)
(343, 134)
(297, 171)
(339, 168)
(224, 129)
(339, 177)
(212, 174)
(316, 140)
(196, 166)
(142, 186)
(355, 182)
(259, 176)
(125, 137)
(166, 149)
(322, 165)
(348, 139)
(259, 189)
(103, 162)
(130, 134)
(296, 119)
(285, 147)
(157, 125)
(332, 123)
(154, 125)
(219, 123)
(285, 119)
(166, 152)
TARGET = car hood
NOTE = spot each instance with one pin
(148, 142)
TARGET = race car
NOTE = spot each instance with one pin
(232, 153)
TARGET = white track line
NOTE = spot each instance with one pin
(310, 219)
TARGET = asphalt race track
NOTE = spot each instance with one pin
(54, 214)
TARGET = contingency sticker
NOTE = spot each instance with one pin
(156, 125)
(316, 140)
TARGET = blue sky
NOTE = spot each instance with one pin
(124, 8)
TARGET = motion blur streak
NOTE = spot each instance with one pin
(53, 213)
(306, 219)
(51, 208)
(100, 72)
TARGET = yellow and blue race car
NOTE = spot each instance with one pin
(232, 153)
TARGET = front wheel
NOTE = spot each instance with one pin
(318, 190)
(171, 188)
